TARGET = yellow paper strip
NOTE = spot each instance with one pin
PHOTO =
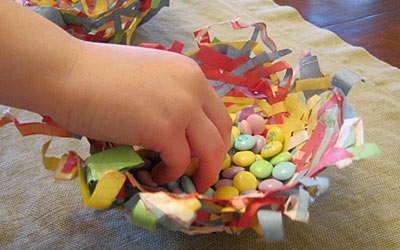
(323, 83)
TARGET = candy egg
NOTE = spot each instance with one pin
(173, 185)
(224, 182)
(144, 177)
(284, 171)
(229, 173)
(249, 192)
(232, 141)
(275, 134)
(210, 192)
(272, 148)
(226, 192)
(281, 157)
(245, 181)
(245, 142)
(177, 191)
(194, 165)
(233, 117)
(261, 169)
(227, 162)
(260, 142)
(259, 157)
(187, 185)
(244, 158)
(269, 184)
(245, 127)
(257, 124)
(235, 132)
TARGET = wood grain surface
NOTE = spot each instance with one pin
(372, 24)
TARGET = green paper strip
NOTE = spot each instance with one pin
(142, 217)
(364, 151)
(154, 4)
(118, 36)
(121, 159)
(215, 40)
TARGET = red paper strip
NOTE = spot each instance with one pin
(69, 164)
(310, 146)
(176, 47)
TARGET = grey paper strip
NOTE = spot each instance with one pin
(271, 225)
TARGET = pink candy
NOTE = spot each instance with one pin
(269, 184)
(229, 173)
(245, 127)
(223, 182)
(260, 142)
(256, 123)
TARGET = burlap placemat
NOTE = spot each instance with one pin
(360, 211)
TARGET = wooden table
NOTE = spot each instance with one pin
(372, 24)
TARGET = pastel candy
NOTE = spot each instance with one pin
(194, 165)
(249, 192)
(235, 132)
(187, 185)
(245, 181)
(224, 182)
(177, 191)
(284, 171)
(272, 148)
(232, 152)
(245, 142)
(244, 158)
(257, 124)
(144, 177)
(260, 142)
(232, 141)
(259, 157)
(269, 184)
(261, 169)
(275, 134)
(233, 117)
(245, 127)
(173, 185)
(210, 192)
(281, 157)
(227, 162)
(229, 173)
(226, 192)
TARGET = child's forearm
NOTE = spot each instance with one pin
(35, 58)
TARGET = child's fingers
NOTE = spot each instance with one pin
(206, 143)
(217, 113)
(176, 157)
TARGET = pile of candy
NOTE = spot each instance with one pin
(283, 135)
(98, 20)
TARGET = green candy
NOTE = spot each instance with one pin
(261, 168)
(232, 141)
(281, 157)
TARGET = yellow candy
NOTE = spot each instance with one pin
(245, 181)
(233, 117)
(259, 157)
(244, 158)
(226, 192)
(272, 148)
(235, 131)
(275, 134)
(216, 180)
(227, 162)
(194, 165)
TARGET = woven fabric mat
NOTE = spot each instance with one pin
(360, 211)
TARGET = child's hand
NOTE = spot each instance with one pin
(114, 93)
(158, 99)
